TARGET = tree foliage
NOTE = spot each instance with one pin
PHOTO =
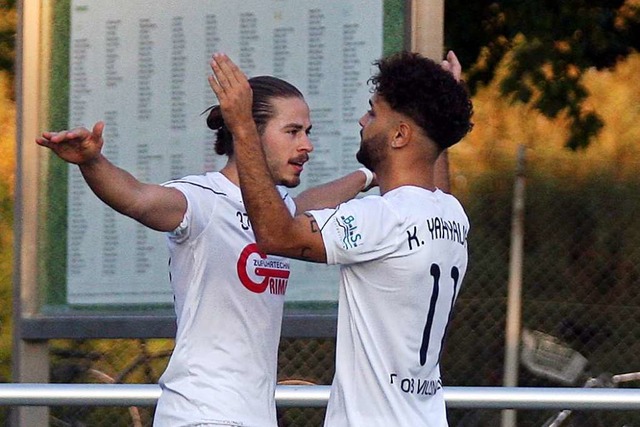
(8, 21)
(550, 45)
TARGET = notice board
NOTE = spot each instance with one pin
(142, 67)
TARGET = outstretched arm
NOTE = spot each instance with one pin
(276, 231)
(160, 208)
(333, 193)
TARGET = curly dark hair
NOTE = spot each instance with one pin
(421, 89)
(265, 90)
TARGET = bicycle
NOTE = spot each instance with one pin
(547, 356)
(94, 361)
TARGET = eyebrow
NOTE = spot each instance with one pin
(297, 126)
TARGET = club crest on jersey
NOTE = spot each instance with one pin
(348, 228)
(257, 272)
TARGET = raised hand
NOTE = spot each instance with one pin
(233, 91)
(452, 65)
(78, 146)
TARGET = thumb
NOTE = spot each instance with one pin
(98, 128)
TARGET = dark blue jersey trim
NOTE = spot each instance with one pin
(335, 211)
(196, 185)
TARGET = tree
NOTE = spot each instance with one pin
(7, 34)
(550, 45)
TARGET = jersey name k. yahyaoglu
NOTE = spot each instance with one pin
(403, 256)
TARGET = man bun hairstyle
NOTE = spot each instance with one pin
(421, 89)
(216, 122)
(265, 90)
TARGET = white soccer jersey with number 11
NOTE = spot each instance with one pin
(403, 257)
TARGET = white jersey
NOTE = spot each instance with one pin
(228, 301)
(403, 257)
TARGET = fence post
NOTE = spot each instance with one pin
(424, 27)
(514, 293)
(30, 358)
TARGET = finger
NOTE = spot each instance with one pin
(43, 142)
(48, 142)
(98, 128)
(236, 72)
(217, 89)
(213, 82)
(231, 77)
(229, 68)
(220, 70)
(455, 63)
(47, 134)
(70, 135)
(212, 77)
(59, 136)
(455, 67)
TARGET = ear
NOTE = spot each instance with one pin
(402, 135)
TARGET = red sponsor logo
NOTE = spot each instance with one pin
(257, 272)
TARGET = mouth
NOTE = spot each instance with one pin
(298, 163)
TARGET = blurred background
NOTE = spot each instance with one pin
(559, 79)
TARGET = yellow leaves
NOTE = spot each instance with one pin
(7, 133)
(7, 166)
(501, 126)
(627, 11)
(562, 46)
(547, 71)
(9, 20)
(572, 71)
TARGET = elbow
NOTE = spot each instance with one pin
(272, 245)
(267, 245)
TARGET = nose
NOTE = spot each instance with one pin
(362, 120)
(306, 144)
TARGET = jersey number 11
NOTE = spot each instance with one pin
(426, 334)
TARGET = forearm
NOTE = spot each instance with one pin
(270, 218)
(114, 186)
(152, 205)
(331, 194)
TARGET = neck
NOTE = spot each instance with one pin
(416, 175)
(231, 172)
(393, 183)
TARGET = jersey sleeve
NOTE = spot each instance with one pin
(359, 230)
(289, 201)
(199, 209)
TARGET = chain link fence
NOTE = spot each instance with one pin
(580, 272)
(581, 258)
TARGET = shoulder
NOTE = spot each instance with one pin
(369, 211)
(451, 202)
(210, 182)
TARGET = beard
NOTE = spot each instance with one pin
(289, 181)
(362, 156)
(371, 151)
